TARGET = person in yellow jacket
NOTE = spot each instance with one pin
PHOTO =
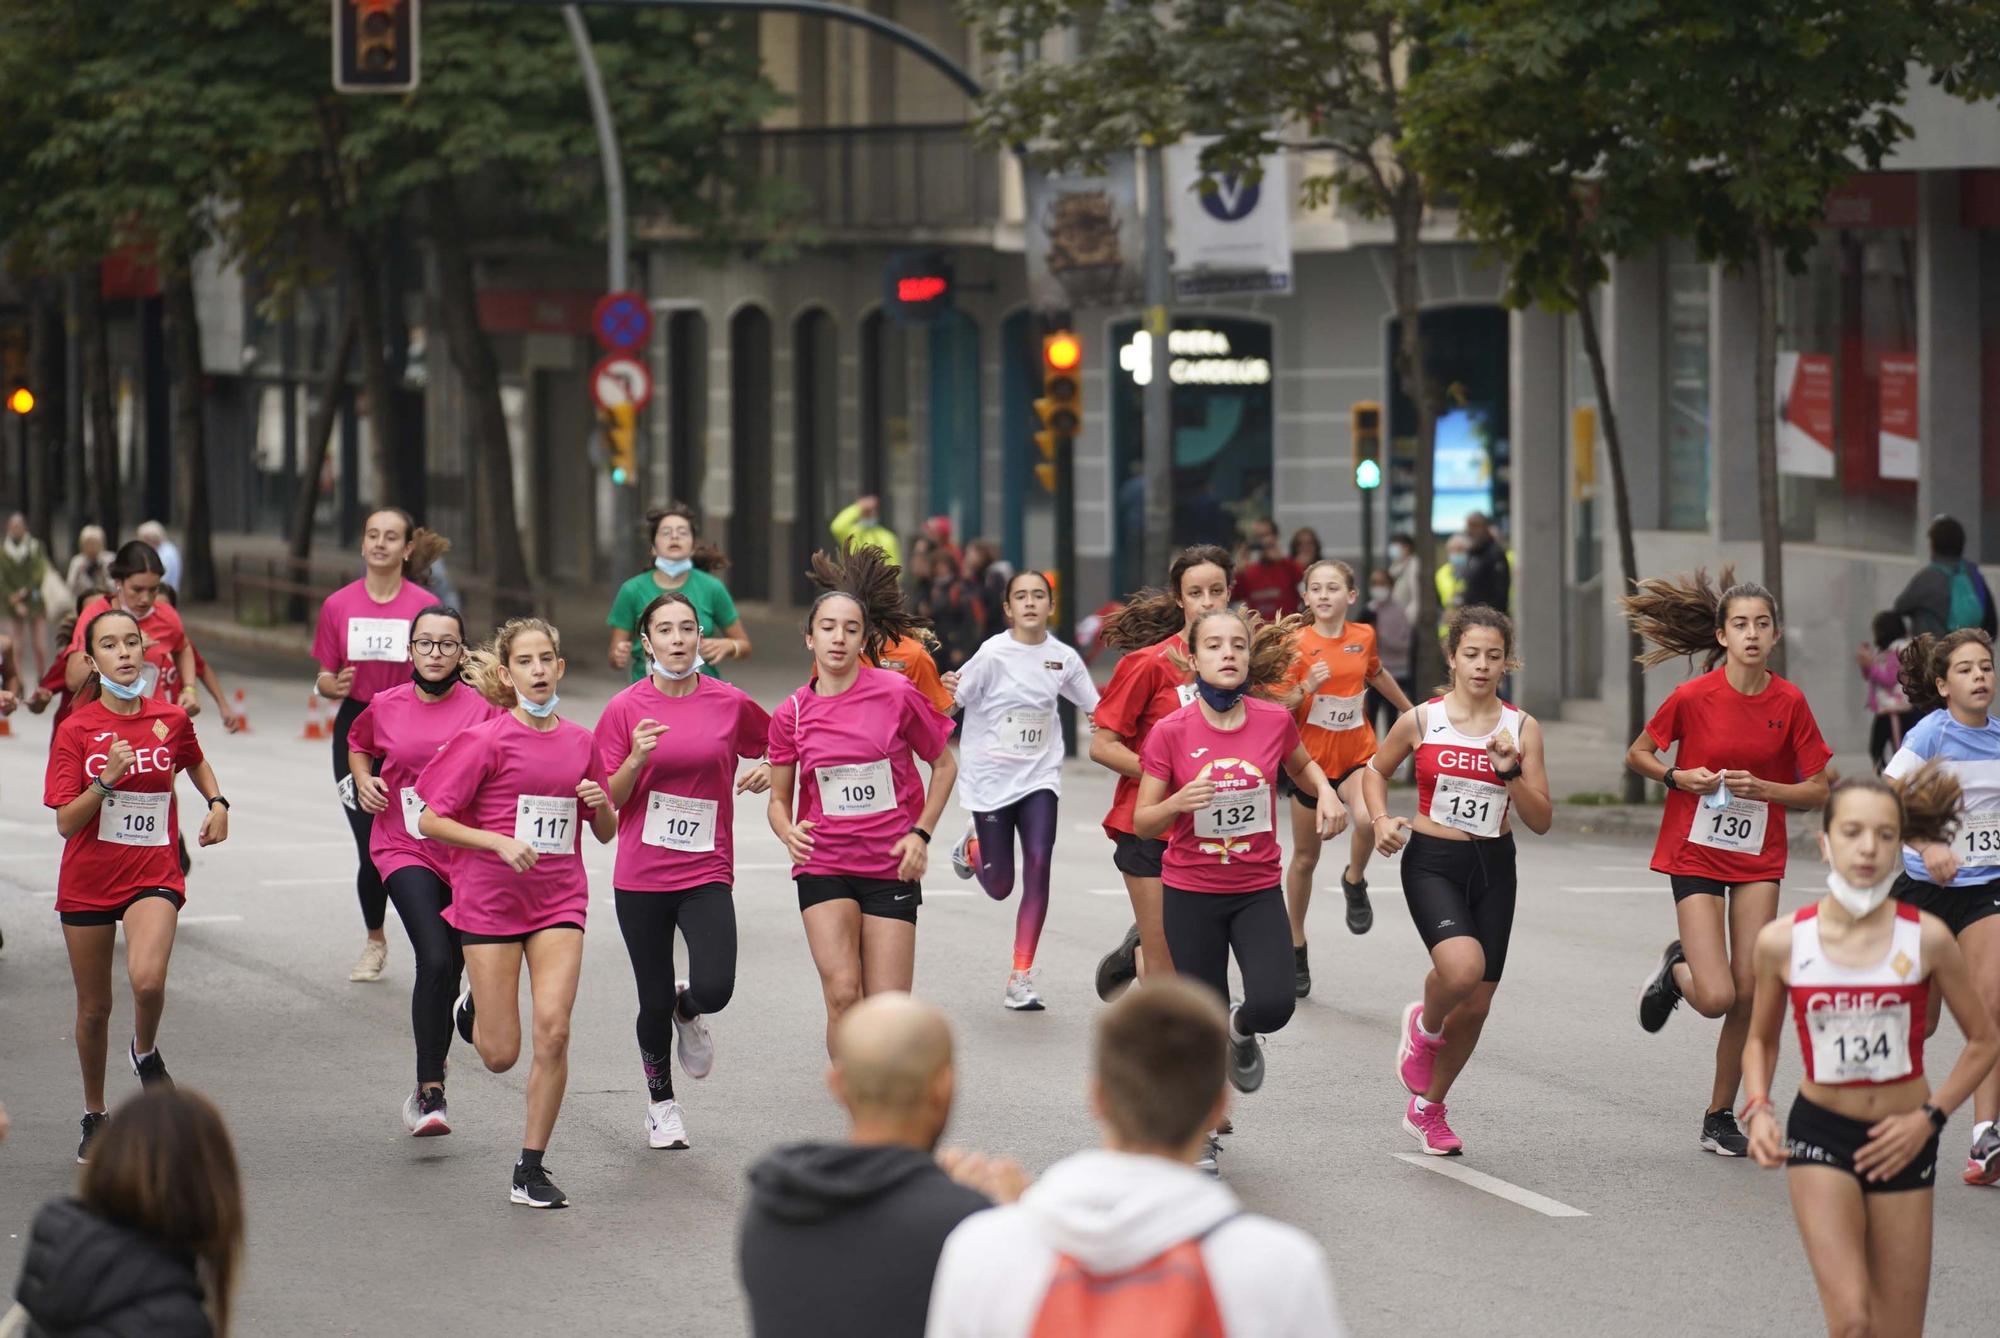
(1450, 578)
(861, 524)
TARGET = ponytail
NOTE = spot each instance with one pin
(1154, 614)
(1927, 801)
(1681, 617)
(866, 576)
(483, 666)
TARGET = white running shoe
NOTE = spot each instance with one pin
(368, 966)
(424, 1114)
(697, 1047)
(965, 855)
(1021, 996)
(663, 1125)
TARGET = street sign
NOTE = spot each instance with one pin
(619, 380)
(621, 322)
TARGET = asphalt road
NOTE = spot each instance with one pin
(356, 1228)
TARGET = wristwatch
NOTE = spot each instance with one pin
(213, 800)
(97, 784)
(1938, 1117)
(1668, 779)
(1504, 776)
(921, 835)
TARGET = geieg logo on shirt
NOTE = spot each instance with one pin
(143, 759)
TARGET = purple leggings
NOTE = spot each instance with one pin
(1035, 818)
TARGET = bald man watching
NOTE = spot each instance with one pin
(843, 1238)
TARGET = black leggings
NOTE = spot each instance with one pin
(1202, 927)
(367, 883)
(420, 898)
(706, 917)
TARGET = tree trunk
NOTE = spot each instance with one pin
(1408, 217)
(1768, 521)
(319, 434)
(45, 355)
(190, 435)
(479, 373)
(103, 508)
(1634, 786)
(385, 454)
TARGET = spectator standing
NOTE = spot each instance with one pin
(954, 606)
(90, 570)
(840, 1240)
(24, 566)
(1268, 581)
(860, 524)
(1395, 642)
(990, 574)
(1489, 577)
(1177, 1241)
(1881, 670)
(155, 534)
(1306, 547)
(1404, 578)
(1950, 592)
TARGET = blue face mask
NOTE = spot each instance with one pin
(1219, 699)
(542, 712)
(124, 692)
(674, 566)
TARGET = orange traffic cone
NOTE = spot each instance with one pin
(243, 715)
(315, 725)
(6, 728)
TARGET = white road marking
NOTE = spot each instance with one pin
(305, 882)
(1498, 1188)
(1107, 892)
(209, 919)
(930, 892)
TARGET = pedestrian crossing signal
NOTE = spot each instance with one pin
(1366, 419)
(375, 46)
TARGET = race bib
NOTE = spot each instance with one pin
(129, 819)
(1852, 1045)
(384, 639)
(675, 822)
(1738, 825)
(1978, 840)
(546, 822)
(856, 791)
(1336, 713)
(1025, 733)
(1470, 806)
(1239, 813)
(1186, 692)
(413, 808)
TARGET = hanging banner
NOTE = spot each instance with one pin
(1084, 242)
(1805, 414)
(1231, 234)
(1896, 415)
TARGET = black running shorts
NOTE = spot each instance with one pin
(117, 913)
(1816, 1136)
(1956, 906)
(1462, 889)
(885, 898)
(1137, 856)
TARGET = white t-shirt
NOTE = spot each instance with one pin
(1011, 745)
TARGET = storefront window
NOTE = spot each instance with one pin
(1684, 435)
(1846, 393)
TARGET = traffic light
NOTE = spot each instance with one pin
(375, 46)
(1060, 408)
(21, 400)
(621, 438)
(1367, 419)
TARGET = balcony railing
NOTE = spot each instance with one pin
(887, 179)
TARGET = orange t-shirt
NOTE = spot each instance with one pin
(1333, 720)
(909, 658)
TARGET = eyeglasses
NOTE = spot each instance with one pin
(425, 646)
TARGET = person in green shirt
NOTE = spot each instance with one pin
(679, 563)
(861, 524)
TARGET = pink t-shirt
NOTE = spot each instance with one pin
(857, 779)
(1232, 845)
(374, 638)
(403, 734)
(674, 830)
(510, 778)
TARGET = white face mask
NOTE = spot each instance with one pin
(1859, 901)
(1378, 593)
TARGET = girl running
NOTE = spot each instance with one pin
(110, 780)
(683, 563)
(1479, 765)
(1746, 747)
(1860, 969)
(169, 670)
(909, 653)
(1210, 792)
(1336, 666)
(1011, 756)
(676, 847)
(1151, 682)
(509, 794)
(405, 727)
(1958, 879)
(860, 833)
(363, 646)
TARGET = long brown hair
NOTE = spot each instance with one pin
(164, 1167)
(1927, 660)
(1274, 650)
(1681, 616)
(1927, 801)
(426, 546)
(1154, 614)
(866, 576)
(705, 555)
(1463, 620)
(482, 666)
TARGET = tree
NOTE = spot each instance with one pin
(1261, 75)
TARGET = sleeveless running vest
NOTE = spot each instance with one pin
(1456, 786)
(1860, 1026)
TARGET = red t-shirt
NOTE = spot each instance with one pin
(99, 872)
(1145, 689)
(1234, 845)
(164, 638)
(1771, 735)
(1271, 588)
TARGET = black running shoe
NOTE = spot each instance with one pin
(533, 1187)
(1661, 993)
(461, 1015)
(1720, 1135)
(1246, 1060)
(152, 1070)
(92, 1122)
(1302, 974)
(1360, 915)
(1120, 966)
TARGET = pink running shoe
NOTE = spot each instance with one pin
(1427, 1126)
(1415, 1052)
